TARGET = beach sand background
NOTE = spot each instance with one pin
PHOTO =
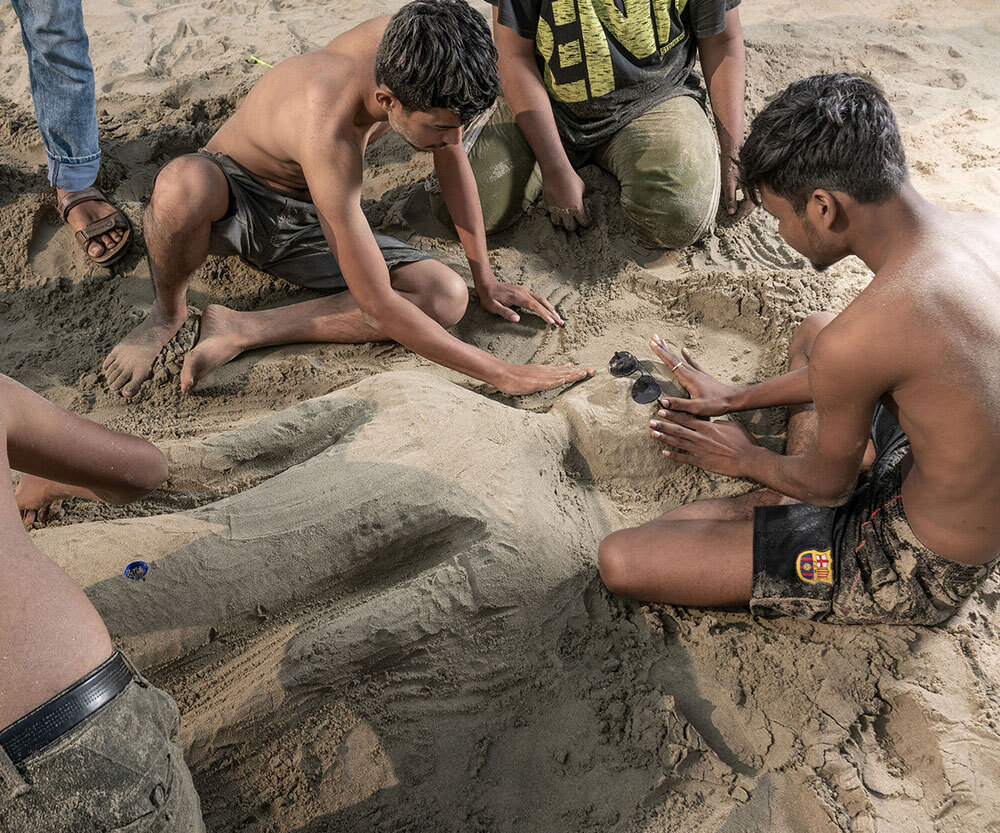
(373, 587)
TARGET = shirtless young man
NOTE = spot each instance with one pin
(85, 742)
(280, 184)
(910, 362)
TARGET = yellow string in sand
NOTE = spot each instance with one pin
(259, 61)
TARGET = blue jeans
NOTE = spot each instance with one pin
(62, 88)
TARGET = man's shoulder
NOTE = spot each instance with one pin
(865, 340)
(314, 95)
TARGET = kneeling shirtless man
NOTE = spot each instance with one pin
(280, 184)
(910, 363)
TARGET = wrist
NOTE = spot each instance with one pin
(738, 400)
(557, 170)
(750, 461)
(483, 279)
(498, 374)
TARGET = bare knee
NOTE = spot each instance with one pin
(439, 291)
(189, 190)
(146, 470)
(801, 344)
(153, 470)
(614, 562)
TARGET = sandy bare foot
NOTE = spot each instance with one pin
(220, 341)
(37, 497)
(130, 363)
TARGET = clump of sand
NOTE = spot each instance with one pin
(372, 585)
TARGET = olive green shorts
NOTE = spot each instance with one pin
(118, 770)
(666, 160)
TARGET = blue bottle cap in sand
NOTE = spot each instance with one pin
(136, 571)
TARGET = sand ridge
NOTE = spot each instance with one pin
(373, 586)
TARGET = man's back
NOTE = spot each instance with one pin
(933, 313)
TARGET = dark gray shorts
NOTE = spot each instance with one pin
(282, 235)
(859, 562)
(119, 769)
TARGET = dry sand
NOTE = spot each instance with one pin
(373, 588)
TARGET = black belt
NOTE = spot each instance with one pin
(54, 718)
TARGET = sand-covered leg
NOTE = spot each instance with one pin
(226, 333)
(190, 194)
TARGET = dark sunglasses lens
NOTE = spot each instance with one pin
(623, 364)
(645, 390)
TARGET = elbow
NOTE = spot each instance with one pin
(715, 50)
(373, 313)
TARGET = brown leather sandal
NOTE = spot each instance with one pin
(86, 236)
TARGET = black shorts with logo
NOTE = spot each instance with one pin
(859, 562)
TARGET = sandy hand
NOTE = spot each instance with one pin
(721, 446)
(562, 198)
(521, 379)
(730, 190)
(37, 497)
(219, 341)
(499, 297)
(130, 363)
(709, 396)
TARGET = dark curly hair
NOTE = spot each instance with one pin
(829, 131)
(439, 54)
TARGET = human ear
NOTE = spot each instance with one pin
(385, 98)
(823, 208)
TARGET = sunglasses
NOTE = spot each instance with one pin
(645, 389)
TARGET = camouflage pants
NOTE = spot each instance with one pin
(887, 575)
(118, 770)
(666, 161)
(860, 562)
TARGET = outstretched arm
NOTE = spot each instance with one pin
(521, 82)
(723, 60)
(334, 174)
(710, 397)
(65, 455)
(846, 381)
(461, 195)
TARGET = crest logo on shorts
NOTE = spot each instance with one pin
(814, 566)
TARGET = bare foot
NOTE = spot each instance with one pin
(130, 363)
(82, 215)
(220, 340)
(37, 497)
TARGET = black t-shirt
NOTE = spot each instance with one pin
(605, 62)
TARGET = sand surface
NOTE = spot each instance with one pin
(373, 589)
